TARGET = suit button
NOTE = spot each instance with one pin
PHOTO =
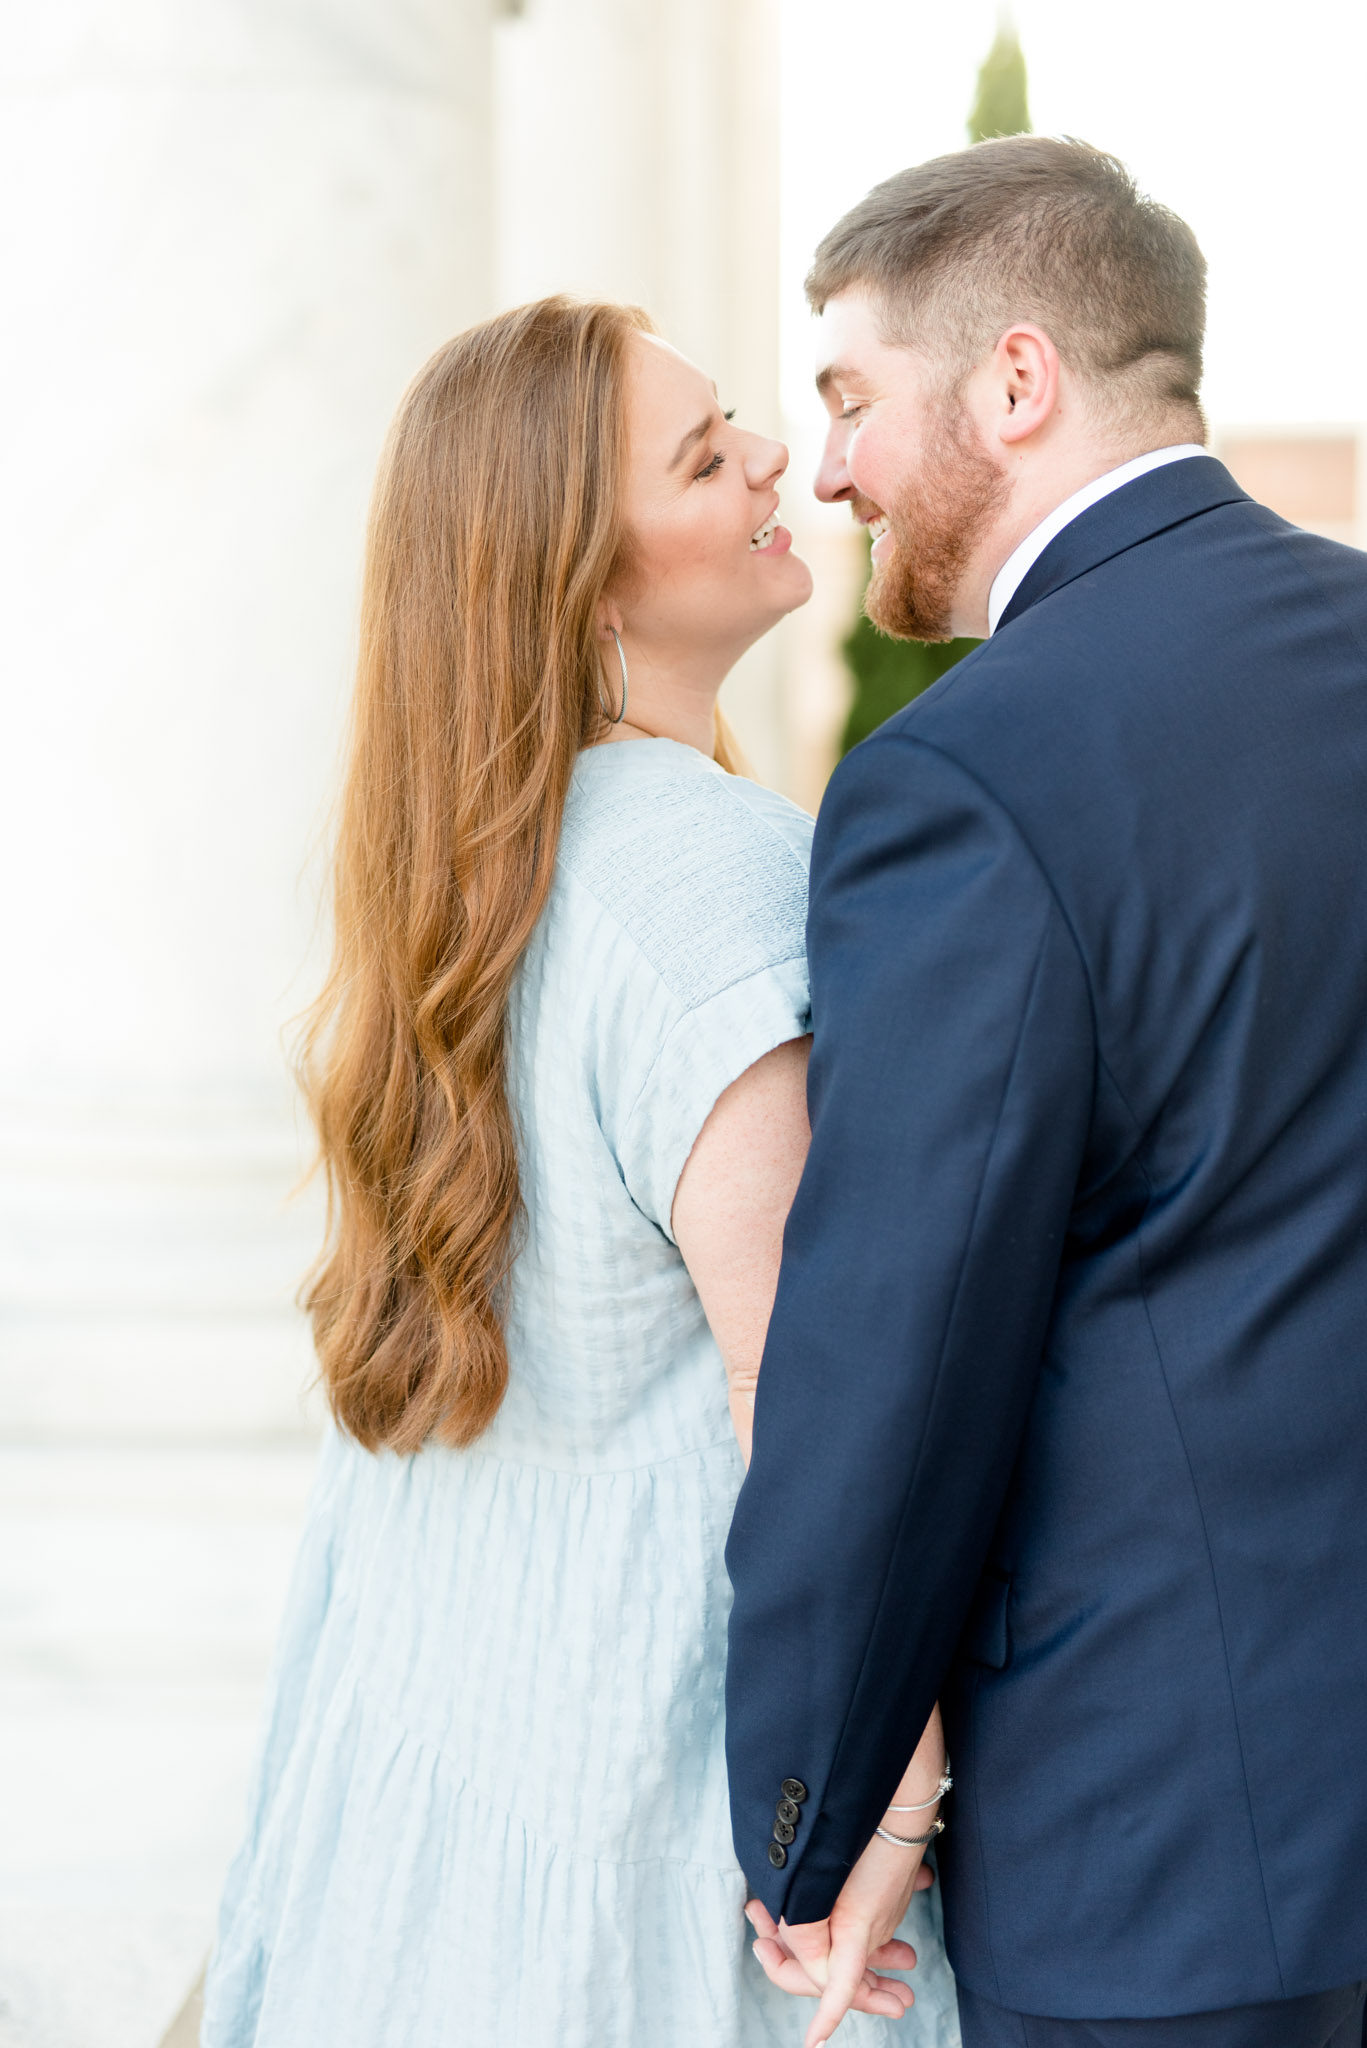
(778, 1855)
(789, 1810)
(793, 1788)
(784, 1831)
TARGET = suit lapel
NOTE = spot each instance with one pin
(1161, 498)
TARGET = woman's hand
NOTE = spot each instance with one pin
(839, 1960)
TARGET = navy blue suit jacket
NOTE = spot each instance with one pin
(1063, 1412)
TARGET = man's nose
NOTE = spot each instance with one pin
(832, 480)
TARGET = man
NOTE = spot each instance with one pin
(1061, 1416)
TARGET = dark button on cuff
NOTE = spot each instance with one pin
(783, 1831)
(778, 1855)
(789, 1810)
(793, 1788)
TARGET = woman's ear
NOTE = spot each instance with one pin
(609, 619)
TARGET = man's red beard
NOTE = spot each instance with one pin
(955, 496)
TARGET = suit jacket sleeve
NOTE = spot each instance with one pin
(950, 1091)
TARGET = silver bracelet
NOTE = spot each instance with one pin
(940, 1790)
(937, 1827)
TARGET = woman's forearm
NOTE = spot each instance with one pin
(920, 1781)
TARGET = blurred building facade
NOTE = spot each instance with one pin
(233, 233)
(1314, 479)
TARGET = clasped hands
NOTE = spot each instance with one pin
(839, 1961)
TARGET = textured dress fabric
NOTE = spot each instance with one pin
(491, 1808)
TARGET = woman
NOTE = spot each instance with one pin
(558, 1078)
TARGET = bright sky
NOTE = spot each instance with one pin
(1248, 120)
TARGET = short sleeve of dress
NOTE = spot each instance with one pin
(709, 1048)
(706, 876)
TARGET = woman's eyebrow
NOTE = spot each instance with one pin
(693, 435)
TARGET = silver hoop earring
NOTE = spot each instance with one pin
(623, 660)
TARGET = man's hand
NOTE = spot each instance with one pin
(838, 1960)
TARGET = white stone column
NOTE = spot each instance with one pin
(638, 151)
(229, 233)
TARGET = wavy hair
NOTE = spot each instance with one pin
(495, 531)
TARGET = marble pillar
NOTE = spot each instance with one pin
(637, 156)
(229, 234)
(230, 231)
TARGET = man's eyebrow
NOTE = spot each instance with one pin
(836, 373)
(693, 435)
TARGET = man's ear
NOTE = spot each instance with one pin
(1025, 382)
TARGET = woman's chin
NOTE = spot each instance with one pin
(784, 577)
(793, 593)
(799, 578)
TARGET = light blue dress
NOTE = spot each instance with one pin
(491, 1810)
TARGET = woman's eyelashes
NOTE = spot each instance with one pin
(711, 468)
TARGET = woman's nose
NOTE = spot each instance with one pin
(765, 462)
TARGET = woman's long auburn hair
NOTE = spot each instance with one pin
(495, 531)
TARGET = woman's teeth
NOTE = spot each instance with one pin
(878, 527)
(765, 535)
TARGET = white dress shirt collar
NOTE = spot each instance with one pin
(1014, 569)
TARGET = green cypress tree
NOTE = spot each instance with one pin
(889, 673)
(1001, 107)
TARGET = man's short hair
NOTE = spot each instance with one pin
(1037, 228)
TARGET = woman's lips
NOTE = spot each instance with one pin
(779, 545)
